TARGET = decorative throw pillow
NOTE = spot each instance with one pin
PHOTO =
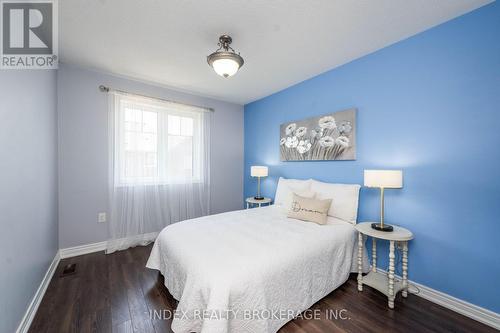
(287, 203)
(309, 209)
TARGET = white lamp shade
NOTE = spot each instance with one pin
(384, 178)
(258, 171)
(225, 67)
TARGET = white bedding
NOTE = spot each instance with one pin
(249, 270)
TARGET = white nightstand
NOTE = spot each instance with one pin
(251, 201)
(384, 283)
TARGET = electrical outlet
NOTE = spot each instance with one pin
(101, 217)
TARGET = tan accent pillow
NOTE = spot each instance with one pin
(309, 209)
(288, 204)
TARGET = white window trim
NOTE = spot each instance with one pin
(159, 106)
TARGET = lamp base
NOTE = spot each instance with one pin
(258, 198)
(382, 227)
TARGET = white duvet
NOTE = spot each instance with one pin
(250, 270)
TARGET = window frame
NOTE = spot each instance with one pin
(163, 111)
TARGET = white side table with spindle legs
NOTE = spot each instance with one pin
(385, 283)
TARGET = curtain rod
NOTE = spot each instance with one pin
(105, 89)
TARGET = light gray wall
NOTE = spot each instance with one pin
(83, 170)
(28, 187)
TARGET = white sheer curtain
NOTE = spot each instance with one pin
(159, 160)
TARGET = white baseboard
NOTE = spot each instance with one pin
(116, 244)
(37, 298)
(82, 249)
(467, 309)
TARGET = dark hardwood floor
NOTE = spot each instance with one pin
(115, 293)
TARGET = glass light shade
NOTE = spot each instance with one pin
(225, 67)
(258, 171)
(383, 178)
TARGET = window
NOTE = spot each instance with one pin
(157, 142)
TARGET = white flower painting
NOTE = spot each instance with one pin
(327, 137)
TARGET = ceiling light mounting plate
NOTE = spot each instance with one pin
(224, 41)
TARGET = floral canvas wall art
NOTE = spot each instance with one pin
(328, 137)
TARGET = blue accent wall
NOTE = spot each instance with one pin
(429, 105)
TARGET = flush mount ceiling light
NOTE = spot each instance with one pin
(225, 61)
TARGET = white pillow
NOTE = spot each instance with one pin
(286, 188)
(344, 199)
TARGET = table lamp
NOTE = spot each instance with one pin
(258, 171)
(383, 179)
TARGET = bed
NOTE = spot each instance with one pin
(251, 270)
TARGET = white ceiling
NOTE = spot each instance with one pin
(283, 42)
